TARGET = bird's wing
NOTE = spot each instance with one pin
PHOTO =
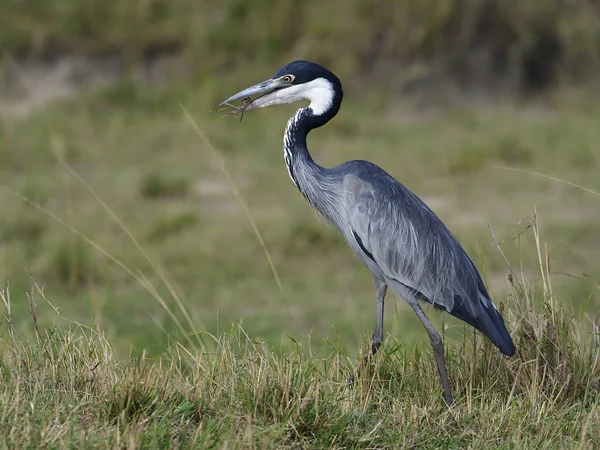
(411, 245)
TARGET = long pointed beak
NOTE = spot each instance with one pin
(261, 88)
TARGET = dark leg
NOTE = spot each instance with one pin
(380, 291)
(438, 351)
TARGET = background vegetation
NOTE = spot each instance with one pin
(125, 218)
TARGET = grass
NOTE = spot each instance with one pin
(66, 386)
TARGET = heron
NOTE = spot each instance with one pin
(402, 242)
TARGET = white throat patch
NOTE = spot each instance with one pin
(319, 91)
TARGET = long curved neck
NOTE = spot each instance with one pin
(312, 180)
(298, 160)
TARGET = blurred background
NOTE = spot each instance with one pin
(460, 100)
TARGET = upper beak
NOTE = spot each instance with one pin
(262, 88)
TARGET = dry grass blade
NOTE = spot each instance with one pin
(154, 264)
(512, 277)
(241, 201)
(550, 177)
(5, 296)
(140, 279)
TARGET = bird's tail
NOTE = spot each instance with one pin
(489, 321)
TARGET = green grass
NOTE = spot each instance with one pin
(67, 387)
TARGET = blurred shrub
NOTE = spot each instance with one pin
(304, 237)
(71, 264)
(469, 160)
(510, 150)
(25, 225)
(156, 185)
(171, 224)
(528, 45)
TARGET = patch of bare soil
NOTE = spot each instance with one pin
(27, 86)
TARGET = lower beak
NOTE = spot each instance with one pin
(262, 88)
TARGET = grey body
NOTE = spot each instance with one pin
(396, 236)
(400, 240)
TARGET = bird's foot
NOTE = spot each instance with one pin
(448, 399)
(374, 347)
(351, 380)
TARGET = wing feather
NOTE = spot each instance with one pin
(396, 234)
(410, 244)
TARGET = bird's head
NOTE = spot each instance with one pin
(299, 80)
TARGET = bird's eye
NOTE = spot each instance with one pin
(287, 79)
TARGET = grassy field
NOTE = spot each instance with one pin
(68, 388)
(164, 283)
(132, 146)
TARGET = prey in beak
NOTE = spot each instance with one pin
(257, 96)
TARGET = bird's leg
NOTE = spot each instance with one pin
(377, 338)
(380, 291)
(438, 351)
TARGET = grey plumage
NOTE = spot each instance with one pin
(407, 243)
(400, 240)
